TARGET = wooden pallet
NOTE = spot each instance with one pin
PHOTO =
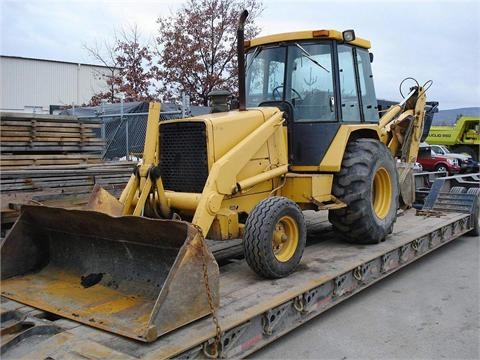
(53, 160)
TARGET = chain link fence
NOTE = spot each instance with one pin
(124, 125)
(124, 134)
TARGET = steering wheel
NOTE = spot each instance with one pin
(278, 96)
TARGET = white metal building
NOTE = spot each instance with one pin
(34, 85)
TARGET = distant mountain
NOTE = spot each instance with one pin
(448, 117)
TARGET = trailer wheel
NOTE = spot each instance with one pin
(476, 212)
(368, 184)
(274, 237)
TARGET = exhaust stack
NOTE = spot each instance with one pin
(241, 60)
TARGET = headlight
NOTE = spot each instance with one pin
(452, 161)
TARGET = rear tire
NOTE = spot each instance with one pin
(274, 237)
(368, 184)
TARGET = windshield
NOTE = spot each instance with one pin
(265, 74)
(312, 83)
(440, 150)
(300, 73)
(445, 150)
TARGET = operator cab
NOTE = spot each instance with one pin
(320, 78)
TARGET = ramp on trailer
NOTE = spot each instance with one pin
(253, 311)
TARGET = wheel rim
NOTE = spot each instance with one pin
(382, 193)
(285, 239)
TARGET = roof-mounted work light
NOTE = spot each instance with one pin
(348, 35)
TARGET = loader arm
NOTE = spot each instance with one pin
(222, 179)
(141, 185)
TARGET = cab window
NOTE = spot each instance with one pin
(266, 71)
(367, 89)
(311, 87)
(348, 85)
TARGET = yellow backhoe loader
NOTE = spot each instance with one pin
(306, 136)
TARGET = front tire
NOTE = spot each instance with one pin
(368, 184)
(442, 168)
(274, 237)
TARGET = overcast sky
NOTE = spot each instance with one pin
(437, 40)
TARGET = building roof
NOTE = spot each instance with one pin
(54, 61)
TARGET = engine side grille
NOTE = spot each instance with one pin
(183, 156)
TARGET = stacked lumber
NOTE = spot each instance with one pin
(61, 186)
(53, 134)
(69, 180)
(53, 160)
(20, 161)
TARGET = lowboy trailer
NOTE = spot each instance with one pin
(255, 311)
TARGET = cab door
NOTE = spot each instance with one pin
(310, 88)
(330, 85)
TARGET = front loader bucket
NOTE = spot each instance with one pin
(129, 275)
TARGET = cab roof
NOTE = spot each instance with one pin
(305, 35)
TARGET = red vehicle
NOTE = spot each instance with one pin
(433, 162)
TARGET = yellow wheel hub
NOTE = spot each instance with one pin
(382, 193)
(285, 239)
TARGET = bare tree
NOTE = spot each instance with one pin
(135, 61)
(196, 47)
(128, 64)
(104, 53)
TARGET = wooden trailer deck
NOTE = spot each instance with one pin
(253, 311)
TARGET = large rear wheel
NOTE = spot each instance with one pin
(368, 184)
(274, 237)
